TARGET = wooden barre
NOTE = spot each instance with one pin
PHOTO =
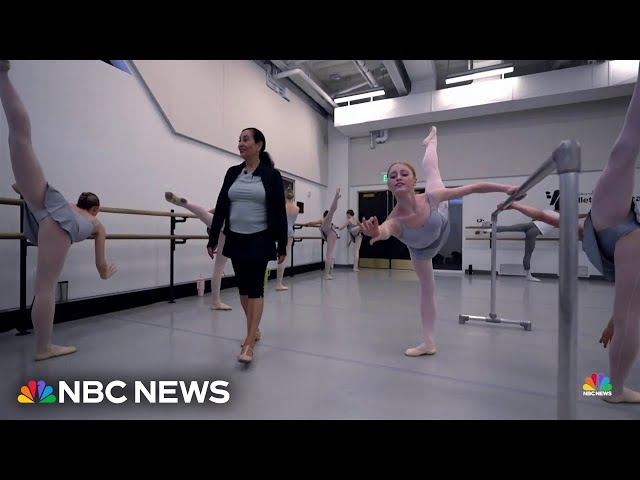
(548, 239)
(10, 201)
(152, 213)
(125, 211)
(134, 236)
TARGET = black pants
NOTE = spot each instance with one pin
(250, 276)
(249, 254)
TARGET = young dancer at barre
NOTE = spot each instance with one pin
(421, 221)
(206, 216)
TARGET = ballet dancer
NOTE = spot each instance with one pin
(422, 223)
(292, 214)
(50, 222)
(610, 236)
(355, 236)
(206, 216)
(328, 233)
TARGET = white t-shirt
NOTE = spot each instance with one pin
(545, 227)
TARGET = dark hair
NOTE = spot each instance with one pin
(88, 200)
(265, 158)
(351, 212)
(326, 212)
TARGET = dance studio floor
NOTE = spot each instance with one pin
(331, 350)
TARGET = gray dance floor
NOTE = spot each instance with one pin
(331, 350)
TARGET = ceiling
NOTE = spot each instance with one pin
(324, 80)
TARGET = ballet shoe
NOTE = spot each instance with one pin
(628, 396)
(54, 351)
(531, 278)
(220, 306)
(420, 350)
(280, 288)
(246, 354)
(431, 135)
(5, 65)
(173, 198)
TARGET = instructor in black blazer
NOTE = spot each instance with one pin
(251, 206)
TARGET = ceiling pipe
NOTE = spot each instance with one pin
(309, 80)
(364, 70)
(350, 89)
(399, 76)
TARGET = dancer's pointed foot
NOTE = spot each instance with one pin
(431, 136)
(176, 200)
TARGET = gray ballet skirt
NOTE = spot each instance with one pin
(600, 246)
(55, 205)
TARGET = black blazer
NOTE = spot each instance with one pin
(276, 211)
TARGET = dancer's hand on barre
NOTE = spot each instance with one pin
(511, 205)
(107, 271)
(513, 190)
(281, 259)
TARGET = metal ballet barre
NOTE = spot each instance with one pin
(565, 161)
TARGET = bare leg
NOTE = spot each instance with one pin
(356, 253)
(205, 216)
(424, 270)
(216, 279)
(27, 171)
(626, 317)
(430, 162)
(53, 245)
(614, 189)
(281, 267)
(328, 220)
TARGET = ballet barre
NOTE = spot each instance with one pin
(171, 236)
(565, 161)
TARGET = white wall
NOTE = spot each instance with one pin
(213, 100)
(97, 128)
(509, 144)
(339, 178)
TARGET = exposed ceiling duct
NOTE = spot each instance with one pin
(302, 74)
(364, 70)
(398, 75)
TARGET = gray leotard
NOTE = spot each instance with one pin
(291, 220)
(426, 241)
(600, 246)
(55, 205)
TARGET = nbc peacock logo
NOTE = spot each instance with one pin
(38, 392)
(597, 385)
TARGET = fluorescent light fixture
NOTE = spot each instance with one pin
(483, 72)
(359, 96)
